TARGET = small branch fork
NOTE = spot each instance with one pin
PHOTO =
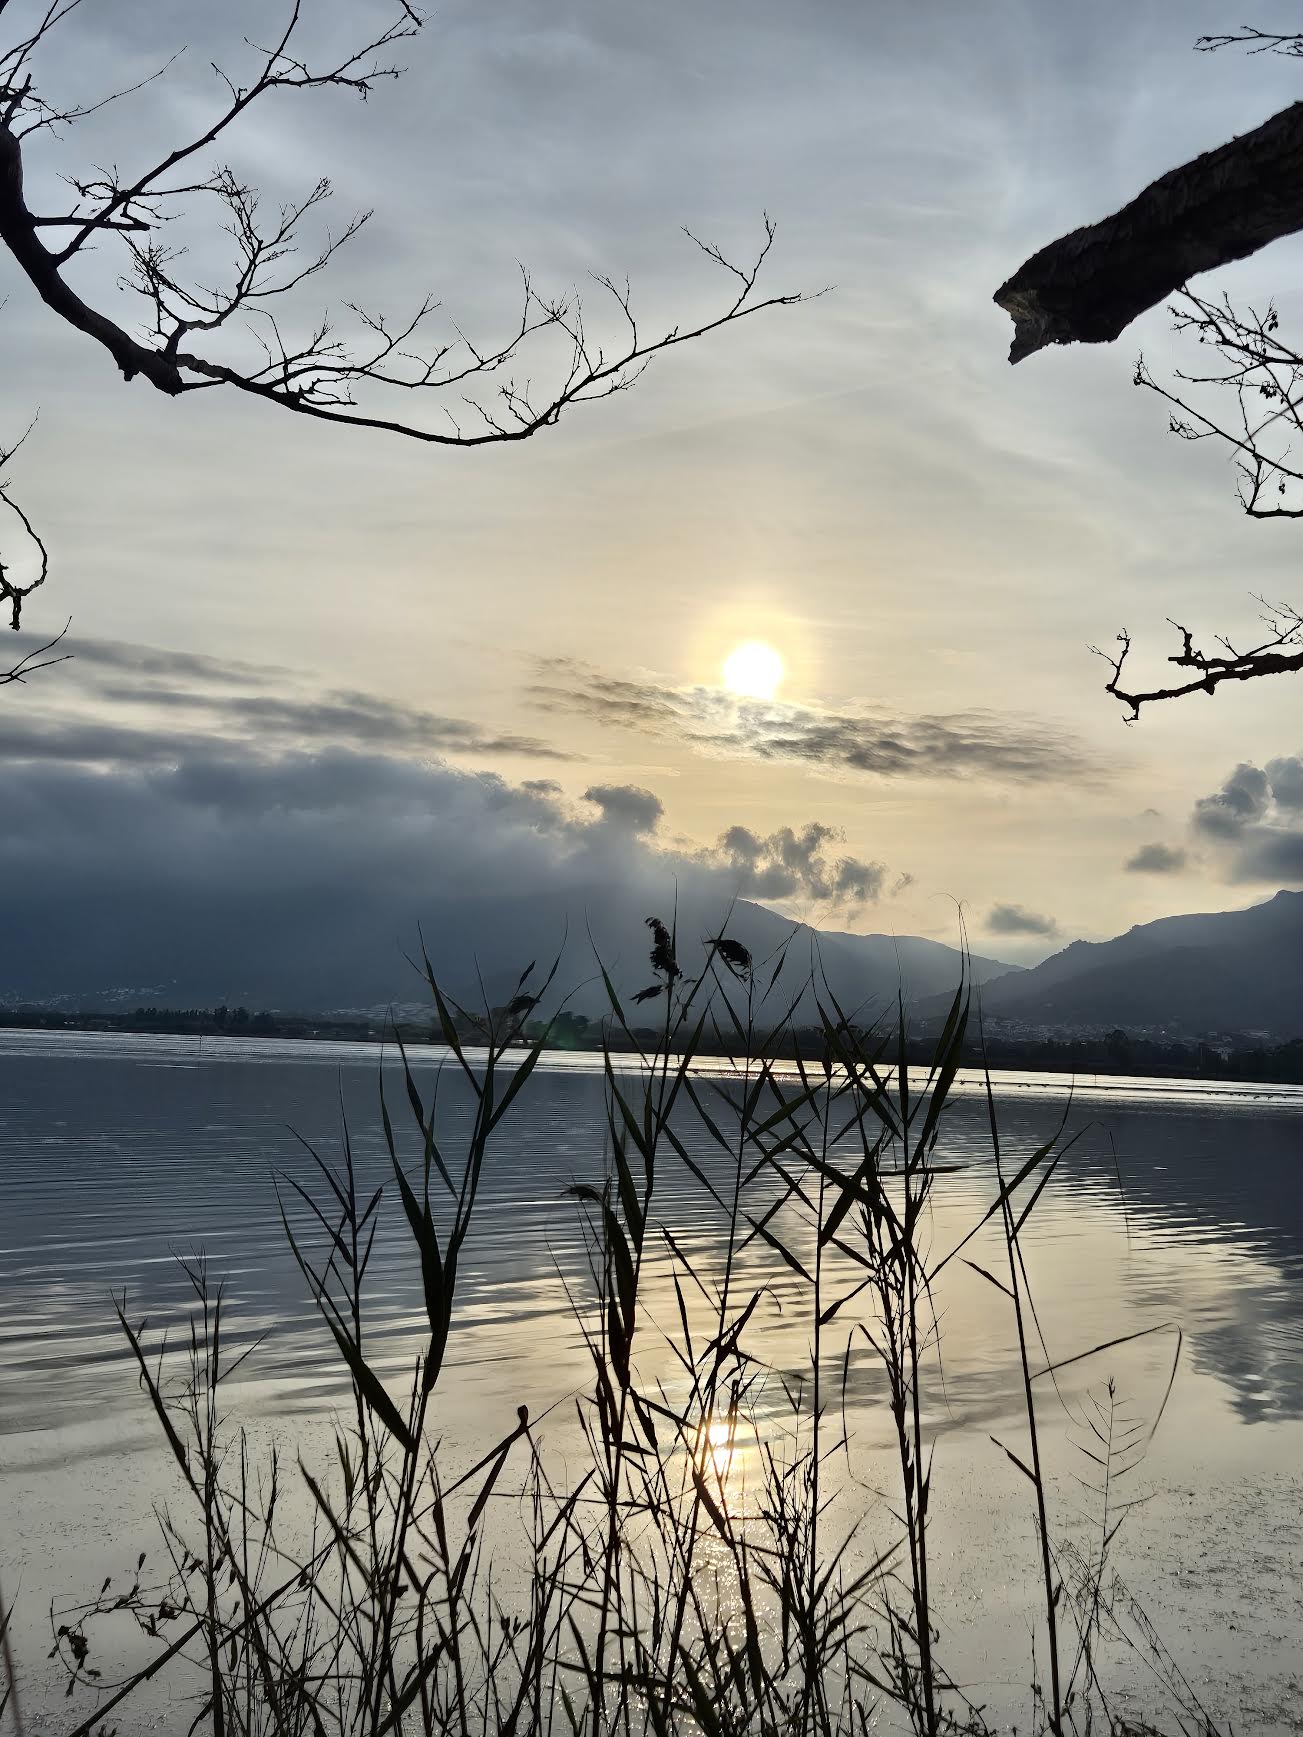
(14, 592)
(1262, 376)
(1254, 42)
(1249, 397)
(478, 395)
(1279, 653)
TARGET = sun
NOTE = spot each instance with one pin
(753, 670)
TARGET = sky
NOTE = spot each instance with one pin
(363, 636)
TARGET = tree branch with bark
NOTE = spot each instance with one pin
(1089, 285)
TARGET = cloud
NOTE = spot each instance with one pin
(845, 743)
(1254, 822)
(627, 805)
(1286, 779)
(1270, 854)
(1157, 859)
(1018, 920)
(1242, 799)
(786, 864)
(157, 663)
(188, 698)
(294, 877)
(264, 725)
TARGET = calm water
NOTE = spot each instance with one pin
(117, 1154)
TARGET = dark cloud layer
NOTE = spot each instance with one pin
(174, 818)
(295, 877)
(838, 743)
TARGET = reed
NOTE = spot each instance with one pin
(650, 1589)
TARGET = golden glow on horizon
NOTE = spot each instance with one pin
(753, 670)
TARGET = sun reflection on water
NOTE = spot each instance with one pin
(728, 1455)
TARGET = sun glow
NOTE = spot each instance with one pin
(753, 670)
(725, 1451)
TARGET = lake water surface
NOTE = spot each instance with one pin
(119, 1153)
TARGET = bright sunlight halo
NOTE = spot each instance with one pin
(753, 670)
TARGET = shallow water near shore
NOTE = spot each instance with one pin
(1180, 1208)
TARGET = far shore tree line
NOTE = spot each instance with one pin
(1226, 1056)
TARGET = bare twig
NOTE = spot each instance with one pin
(1248, 395)
(36, 659)
(14, 592)
(1254, 42)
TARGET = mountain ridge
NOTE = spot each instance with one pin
(1191, 973)
(326, 960)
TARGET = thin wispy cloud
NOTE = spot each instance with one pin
(143, 705)
(153, 664)
(837, 743)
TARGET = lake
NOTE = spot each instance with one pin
(1180, 1208)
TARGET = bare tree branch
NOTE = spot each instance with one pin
(1248, 395)
(1254, 41)
(14, 592)
(1089, 285)
(36, 659)
(196, 336)
(1273, 656)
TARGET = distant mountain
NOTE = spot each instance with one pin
(865, 973)
(1226, 971)
(319, 958)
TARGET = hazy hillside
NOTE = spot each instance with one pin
(1237, 970)
(316, 955)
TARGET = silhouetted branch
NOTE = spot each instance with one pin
(1254, 41)
(1272, 657)
(317, 373)
(36, 659)
(1257, 378)
(1088, 286)
(14, 592)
